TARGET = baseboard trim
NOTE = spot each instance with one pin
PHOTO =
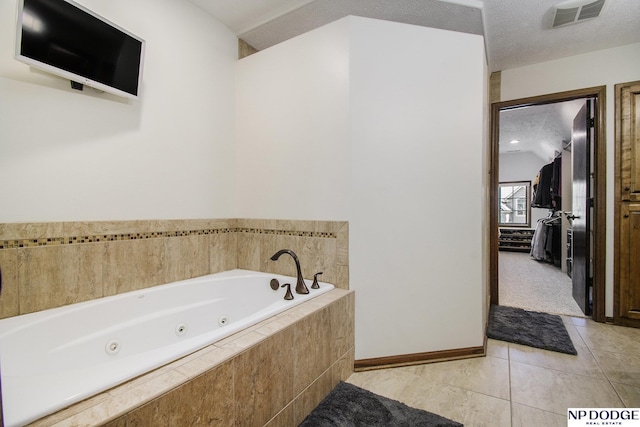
(417, 358)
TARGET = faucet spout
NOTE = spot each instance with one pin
(301, 287)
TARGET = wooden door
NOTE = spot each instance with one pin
(581, 210)
(629, 291)
(627, 206)
(629, 99)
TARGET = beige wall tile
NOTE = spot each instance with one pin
(249, 251)
(204, 401)
(37, 230)
(294, 225)
(312, 396)
(263, 381)
(186, 257)
(121, 256)
(118, 422)
(113, 406)
(343, 368)
(223, 252)
(333, 227)
(9, 298)
(284, 418)
(59, 275)
(315, 255)
(91, 228)
(134, 264)
(312, 349)
(262, 223)
(342, 318)
(268, 245)
(342, 245)
(241, 341)
(342, 277)
(196, 365)
(319, 254)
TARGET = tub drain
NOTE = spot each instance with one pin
(112, 347)
(223, 320)
(181, 329)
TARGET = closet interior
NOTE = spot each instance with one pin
(541, 163)
(548, 237)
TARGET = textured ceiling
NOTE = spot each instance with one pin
(428, 13)
(517, 32)
(541, 129)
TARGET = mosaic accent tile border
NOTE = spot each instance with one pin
(55, 241)
(288, 232)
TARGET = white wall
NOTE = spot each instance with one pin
(605, 67)
(67, 155)
(378, 107)
(292, 123)
(416, 223)
(523, 167)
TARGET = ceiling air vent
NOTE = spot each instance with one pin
(572, 12)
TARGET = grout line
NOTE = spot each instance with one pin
(615, 390)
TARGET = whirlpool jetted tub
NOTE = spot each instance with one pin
(54, 358)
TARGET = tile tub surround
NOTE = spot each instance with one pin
(271, 374)
(47, 265)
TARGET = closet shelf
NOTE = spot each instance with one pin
(511, 239)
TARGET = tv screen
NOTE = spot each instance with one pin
(64, 38)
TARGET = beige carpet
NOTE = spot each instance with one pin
(534, 285)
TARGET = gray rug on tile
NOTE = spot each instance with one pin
(350, 406)
(540, 330)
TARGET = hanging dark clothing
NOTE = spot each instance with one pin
(556, 184)
(542, 197)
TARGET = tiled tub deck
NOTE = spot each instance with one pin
(272, 374)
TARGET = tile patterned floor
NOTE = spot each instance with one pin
(522, 386)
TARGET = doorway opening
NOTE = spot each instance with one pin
(515, 240)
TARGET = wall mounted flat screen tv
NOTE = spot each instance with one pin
(66, 39)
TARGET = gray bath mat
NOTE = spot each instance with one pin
(350, 406)
(540, 330)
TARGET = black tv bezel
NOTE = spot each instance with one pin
(70, 75)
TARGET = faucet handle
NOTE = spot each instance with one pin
(288, 295)
(315, 284)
